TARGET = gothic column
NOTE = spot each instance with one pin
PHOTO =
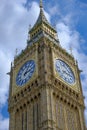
(17, 120)
(49, 108)
(28, 117)
(81, 115)
(35, 116)
(39, 113)
(53, 111)
(12, 121)
(31, 117)
(25, 120)
(20, 120)
(44, 113)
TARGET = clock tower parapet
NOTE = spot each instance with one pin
(27, 52)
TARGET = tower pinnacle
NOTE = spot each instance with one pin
(41, 4)
(39, 28)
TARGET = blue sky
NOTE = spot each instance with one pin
(68, 16)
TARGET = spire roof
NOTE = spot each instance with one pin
(41, 4)
(42, 28)
(41, 18)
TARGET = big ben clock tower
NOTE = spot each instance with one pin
(45, 88)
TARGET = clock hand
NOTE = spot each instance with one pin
(27, 72)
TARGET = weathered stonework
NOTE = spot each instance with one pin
(45, 102)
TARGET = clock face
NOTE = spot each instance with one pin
(25, 73)
(64, 71)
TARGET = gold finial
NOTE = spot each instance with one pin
(41, 4)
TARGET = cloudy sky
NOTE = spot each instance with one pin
(68, 16)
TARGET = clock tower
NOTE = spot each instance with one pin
(45, 87)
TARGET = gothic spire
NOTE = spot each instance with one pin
(41, 4)
(42, 25)
(41, 17)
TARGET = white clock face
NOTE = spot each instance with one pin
(25, 73)
(64, 71)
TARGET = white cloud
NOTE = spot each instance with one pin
(14, 22)
(54, 10)
(4, 84)
(67, 36)
(4, 123)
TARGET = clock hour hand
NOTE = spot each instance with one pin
(26, 72)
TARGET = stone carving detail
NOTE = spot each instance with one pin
(28, 117)
(60, 115)
(17, 121)
(66, 116)
(78, 125)
(71, 120)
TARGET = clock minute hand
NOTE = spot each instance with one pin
(26, 72)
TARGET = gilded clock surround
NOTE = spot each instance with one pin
(25, 73)
(46, 102)
(64, 71)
